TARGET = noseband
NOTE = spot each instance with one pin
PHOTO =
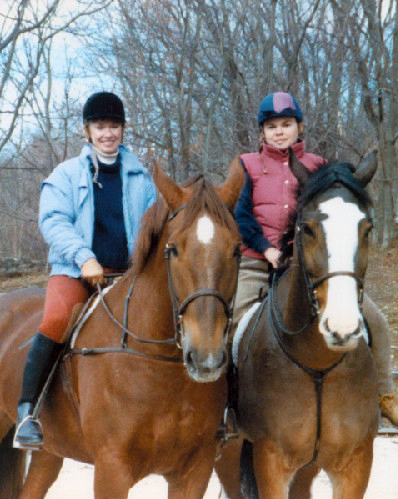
(180, 308)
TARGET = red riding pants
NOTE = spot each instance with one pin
(62, 295)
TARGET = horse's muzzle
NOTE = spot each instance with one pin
(205, 368)
(341, 341)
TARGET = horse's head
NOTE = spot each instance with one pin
(202, 255)
(332, 231)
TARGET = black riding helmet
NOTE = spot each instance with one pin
(104, 106)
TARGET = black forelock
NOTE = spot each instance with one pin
(328, 176)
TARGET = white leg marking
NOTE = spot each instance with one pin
(341, 313)
(205, 230)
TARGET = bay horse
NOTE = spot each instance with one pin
(306, 378)
(142, 389)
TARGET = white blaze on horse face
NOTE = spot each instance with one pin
(341, 317)
(205, 230)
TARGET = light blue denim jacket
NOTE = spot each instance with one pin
(66, 214)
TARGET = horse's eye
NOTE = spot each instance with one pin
(308, 231)
(237, 252)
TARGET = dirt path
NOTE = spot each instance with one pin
(76, 479)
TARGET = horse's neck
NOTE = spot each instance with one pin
(308, 346)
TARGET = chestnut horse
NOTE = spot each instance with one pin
(307, 381)
(125, 397)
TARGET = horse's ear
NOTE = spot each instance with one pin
(171, 192)
(229, 191)
(365, 171)
(298, 169)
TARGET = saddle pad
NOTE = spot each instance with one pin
(86, 312)
(240, 330)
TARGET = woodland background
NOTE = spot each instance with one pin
(192, 74)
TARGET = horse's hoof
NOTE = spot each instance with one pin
(388, 404)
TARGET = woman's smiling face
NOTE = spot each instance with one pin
(105, 135)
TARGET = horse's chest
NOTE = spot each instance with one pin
(279, 401)
(282, 404)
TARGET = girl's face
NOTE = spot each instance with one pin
(105, 135)
(282, 132)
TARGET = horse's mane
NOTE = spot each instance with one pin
(203, 197)
(327, 176)
(152, 225)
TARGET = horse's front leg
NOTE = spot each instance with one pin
(272, 475)
(228, 468)
(300, 487)
(351, 481)
(192, 479)
(43, 471)
(113, 474)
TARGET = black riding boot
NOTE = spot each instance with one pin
(41, 358)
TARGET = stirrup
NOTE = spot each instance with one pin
(228, 430)
(26, 446)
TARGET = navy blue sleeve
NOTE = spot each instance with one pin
(249, 227)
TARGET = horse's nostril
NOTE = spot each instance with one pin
(357, 331)
(326, 325)
(190, 358)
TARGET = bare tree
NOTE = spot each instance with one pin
(27, 28)
(193, 72)
(374, 47)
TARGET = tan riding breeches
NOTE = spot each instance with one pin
(253, 277)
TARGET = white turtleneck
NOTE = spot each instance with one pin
(107, 159)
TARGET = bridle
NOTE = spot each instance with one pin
(310, 285)
(179, 307)
(178, 311)
(313, 285)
